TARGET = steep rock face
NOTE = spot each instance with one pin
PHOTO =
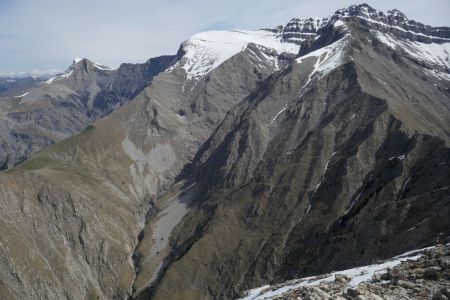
(393, 20)
(298, 29)
(348, 146)
(124, 162)
(65, 104)
(55, 242)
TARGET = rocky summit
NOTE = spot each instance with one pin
(248, 159)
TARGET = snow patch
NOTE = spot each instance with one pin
(279, 113)
(65, 75)
(401, 157)
(401, 29)
(433, 53)
(339, 23)
(328, 59)
(20, 96)
(359, 275)
(102, 67)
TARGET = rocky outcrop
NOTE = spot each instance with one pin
(299, 30)
(394, 20)
(417, 276)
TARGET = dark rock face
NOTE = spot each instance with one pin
(315, 166)
(297, 30)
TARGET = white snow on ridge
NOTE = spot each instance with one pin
(359, 275)
(65, 75)
(339, 23)
(205, 51)
(76, 60)
(102, 67)
(279, 113)
(433, 53)
(328, 59)
(20, 96)
(401, 29)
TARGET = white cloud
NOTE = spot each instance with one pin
(32, 73)
(42, 34)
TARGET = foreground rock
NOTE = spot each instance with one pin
(423, 274)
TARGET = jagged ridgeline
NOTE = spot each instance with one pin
(248, 158)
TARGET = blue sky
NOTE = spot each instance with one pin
(43, 35)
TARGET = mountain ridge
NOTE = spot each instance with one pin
(264, 168)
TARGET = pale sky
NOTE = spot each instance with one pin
(43, 35)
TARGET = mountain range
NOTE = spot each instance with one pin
(247, 158)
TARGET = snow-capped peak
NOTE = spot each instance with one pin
(207, 50)
(96, 65)
(393, 20)
(76, 65)
(396, 13)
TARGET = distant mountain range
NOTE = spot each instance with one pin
(247, 158)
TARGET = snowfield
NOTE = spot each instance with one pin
(433, 53)
(207, 50)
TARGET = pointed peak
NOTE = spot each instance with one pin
(77, 60)
(361, 10)
(396, 13)
(393, 20)
(81, 61)
(86, 63)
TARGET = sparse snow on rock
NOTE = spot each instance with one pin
(279, 113)
(20, 96)
(358, 275)
(102, 67)
(328, 59)
(434, 53)
(400, 29)
(64, 75)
